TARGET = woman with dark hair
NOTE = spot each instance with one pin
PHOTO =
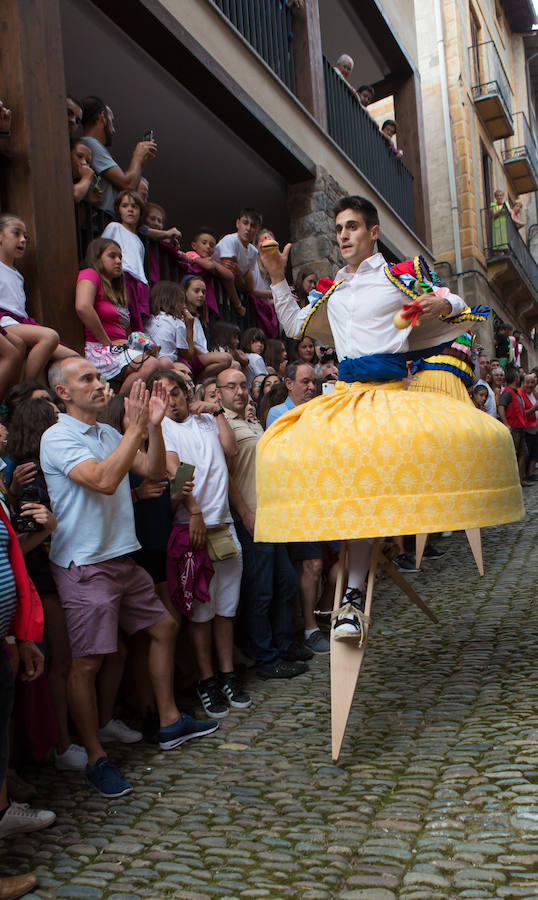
(34, 522)
(207, 390)
(224, 337)
(305, 351)
(22, 391)
(253, 344)
(276, 356)
(304, 283)
(22, 474)
(276, 394)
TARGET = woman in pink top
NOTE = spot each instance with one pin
(101, 305)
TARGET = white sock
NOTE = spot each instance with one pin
(309, 631)
(359, 553)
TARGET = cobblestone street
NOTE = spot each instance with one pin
(434, 796)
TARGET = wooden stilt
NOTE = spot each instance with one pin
(347, 656)
(420, 544)
(393, 572)
(475, 542)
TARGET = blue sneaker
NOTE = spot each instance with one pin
(108, 779)
(183, 730)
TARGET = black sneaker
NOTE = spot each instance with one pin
(283, 670)
(295, 653)
(348, 623)
(235, 695)
(431, 552)
(406, 564)
(213, 700)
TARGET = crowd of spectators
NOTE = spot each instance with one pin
(507, 392)
(365, 94)
(129, 485)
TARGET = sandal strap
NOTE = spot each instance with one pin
(351, 611)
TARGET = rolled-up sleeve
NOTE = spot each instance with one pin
(290, 315)
(457, 304)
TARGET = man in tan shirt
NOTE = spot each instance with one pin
(269, 584)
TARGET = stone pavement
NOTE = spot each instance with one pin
(435, 794)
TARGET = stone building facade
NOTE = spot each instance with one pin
(477, 66)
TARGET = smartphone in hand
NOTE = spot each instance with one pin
(184, 473)
(149, 135)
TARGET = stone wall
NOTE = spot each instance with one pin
(310, 205)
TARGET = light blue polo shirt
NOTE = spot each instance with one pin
(92, 527)
(276, 411)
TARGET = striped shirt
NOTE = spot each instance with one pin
(8, 594)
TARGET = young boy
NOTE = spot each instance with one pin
(203, 247)
(237, 252)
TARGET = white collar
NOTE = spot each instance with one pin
(373, 262)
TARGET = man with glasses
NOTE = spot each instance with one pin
(266, 611)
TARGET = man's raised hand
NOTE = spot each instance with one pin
(275, 263)
(158, 403)
(137, 406)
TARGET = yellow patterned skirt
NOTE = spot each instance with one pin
(370, 461)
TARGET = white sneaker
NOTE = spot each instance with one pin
(19, 817)
(74, 759)
(116, 730)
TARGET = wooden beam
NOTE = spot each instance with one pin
(37, 179)
(475, 542)
(420, 541)
(308, 60)
(394, 573)
(408, 115)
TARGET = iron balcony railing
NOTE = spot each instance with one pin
(503, 241)
(357, 134)
(162, 263)
(524, 145)
(488, 76)
(267, 26)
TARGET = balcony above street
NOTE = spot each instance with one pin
(491, 90)
(521, 159)
(512, 269)
(358, 135)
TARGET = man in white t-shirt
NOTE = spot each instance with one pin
(237, 252)
(200, 434)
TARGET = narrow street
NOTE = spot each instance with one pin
(434, 795)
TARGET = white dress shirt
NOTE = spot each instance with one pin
(360, 311)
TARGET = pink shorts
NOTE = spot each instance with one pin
(98, 598)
